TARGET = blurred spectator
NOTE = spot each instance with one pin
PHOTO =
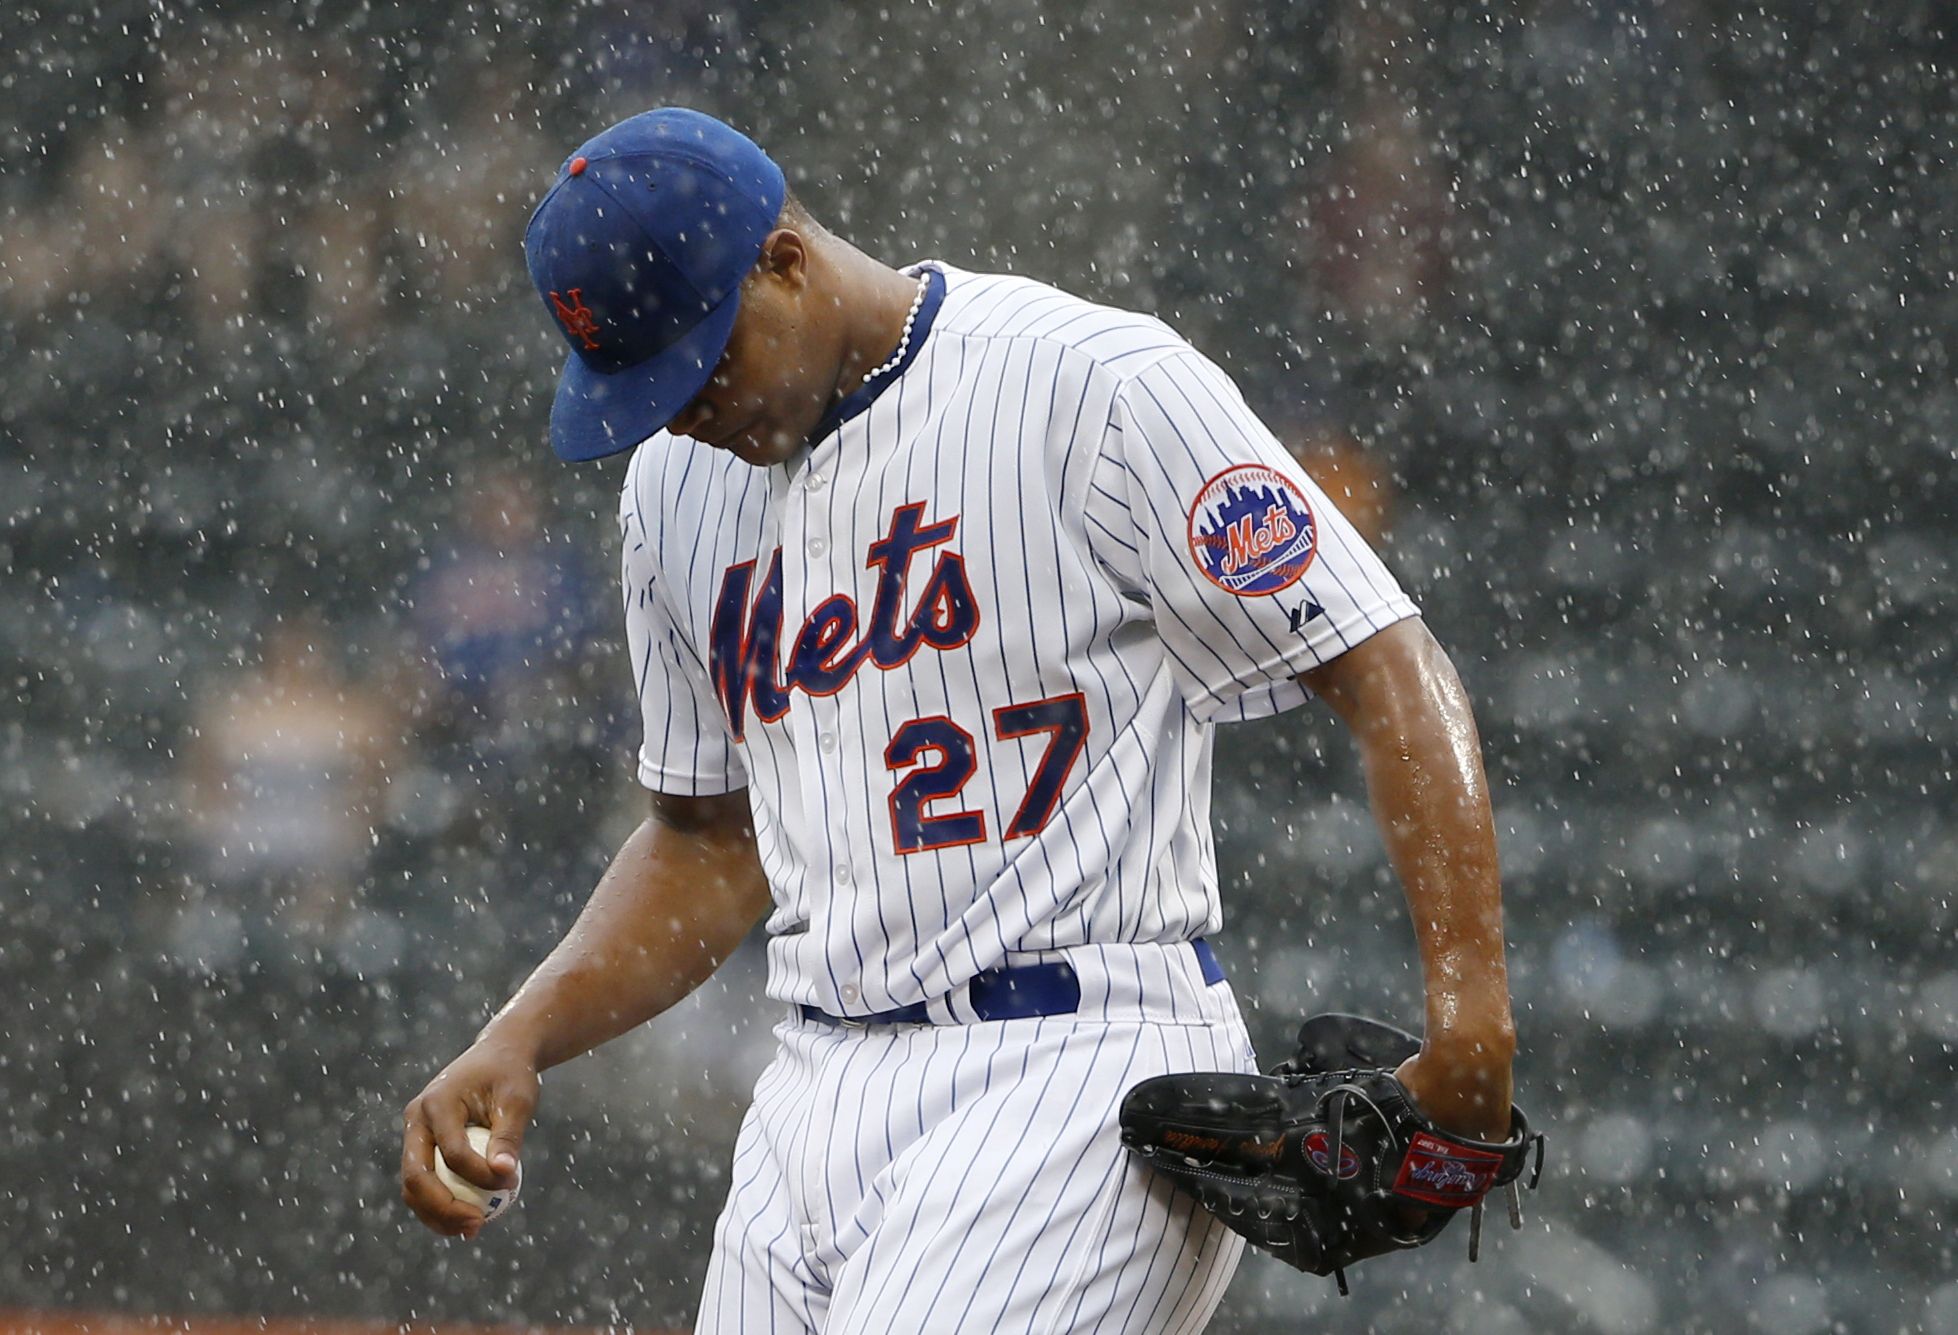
(502, 611)
(221, 104)
(115, 227)
(338, 237)
(284, 780)
(467, 184)
(268, 183)
(99, 226)
(1378, 219)
(1350, 477)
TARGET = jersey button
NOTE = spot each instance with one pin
(817, 546)
(828, 742)
(849, 992)
(815, 482)
(842, 875)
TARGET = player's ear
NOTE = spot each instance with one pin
(785, 256)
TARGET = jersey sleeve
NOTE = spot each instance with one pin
(1251, 573)
(684, 749)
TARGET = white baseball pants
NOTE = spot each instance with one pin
(971, 1177)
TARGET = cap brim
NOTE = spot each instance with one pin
(596, 414)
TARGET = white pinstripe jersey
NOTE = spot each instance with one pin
(967, 649)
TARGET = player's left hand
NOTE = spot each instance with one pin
(1463, 1084)
(1335, 1156)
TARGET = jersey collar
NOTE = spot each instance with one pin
(864, 395)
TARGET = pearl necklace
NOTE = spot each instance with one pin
(904, 343)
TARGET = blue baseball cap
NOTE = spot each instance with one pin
(638, 250)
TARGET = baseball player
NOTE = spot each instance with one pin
(936, 584)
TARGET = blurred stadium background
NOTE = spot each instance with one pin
(1628, 324)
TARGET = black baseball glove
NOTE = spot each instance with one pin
(1325, 1161)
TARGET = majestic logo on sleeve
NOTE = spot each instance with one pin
(1252, 531)
(745, 661)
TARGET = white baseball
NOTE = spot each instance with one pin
(491, 1203)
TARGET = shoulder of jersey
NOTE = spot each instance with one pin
(1003, 306)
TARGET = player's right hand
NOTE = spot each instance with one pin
(488, 1085)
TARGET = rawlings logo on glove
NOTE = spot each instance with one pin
(1259, 1150)
(1447, 1173)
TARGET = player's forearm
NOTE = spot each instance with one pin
(1430, 797)
(672, 906)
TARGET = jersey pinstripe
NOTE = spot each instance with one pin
(966, 651)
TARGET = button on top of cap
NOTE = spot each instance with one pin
(577, 166)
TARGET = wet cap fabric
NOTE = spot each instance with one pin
(638, 250)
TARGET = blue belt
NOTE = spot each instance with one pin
(1017, 993)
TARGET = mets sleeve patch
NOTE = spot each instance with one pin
(1252, 531)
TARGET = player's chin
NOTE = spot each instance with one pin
(763, 447)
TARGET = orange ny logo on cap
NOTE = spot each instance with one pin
(577, 318)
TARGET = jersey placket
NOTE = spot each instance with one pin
(815, 566)
(778, 740)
